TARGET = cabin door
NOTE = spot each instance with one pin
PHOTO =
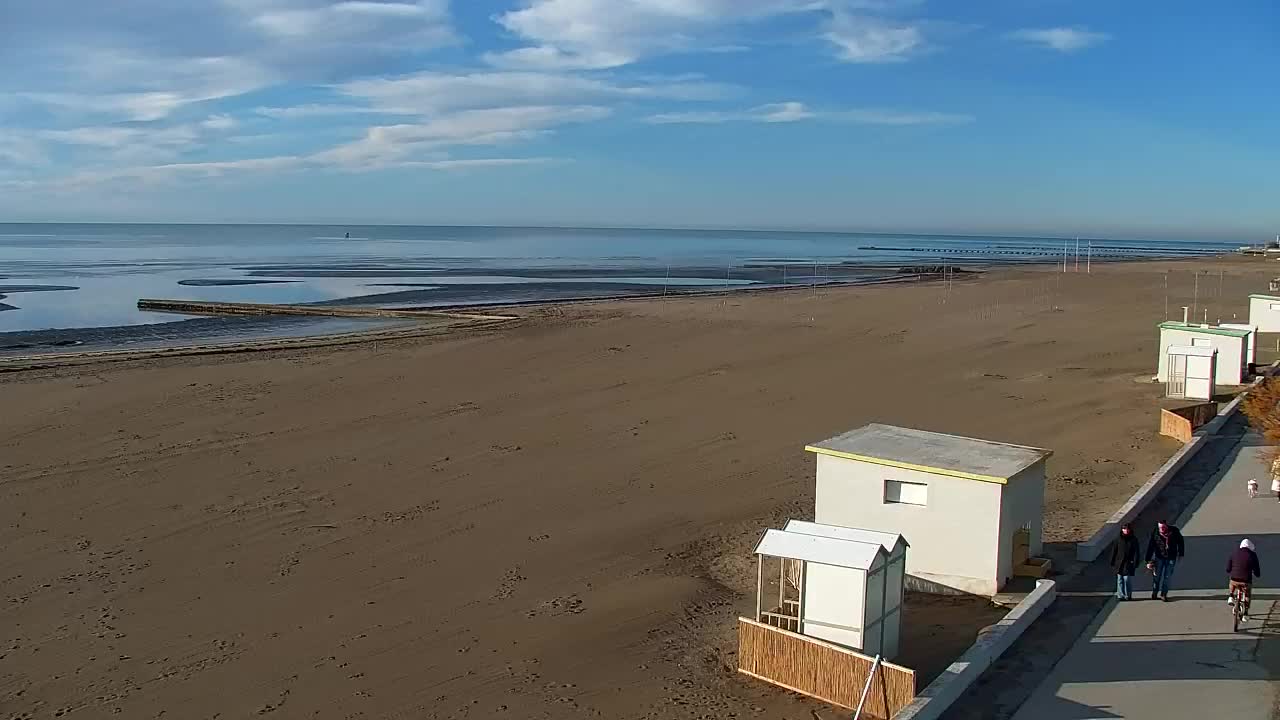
(1177, 376)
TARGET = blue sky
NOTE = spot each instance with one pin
(1014, 116)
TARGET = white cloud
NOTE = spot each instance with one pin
(19, 150)
(865, 39)
(151, 58)
(424, 23)
(396, 144)
(219, 122)
(427, 93)
(796, 112)
(1062, 39)
(610, 33)
(314, 110)
(784, 112)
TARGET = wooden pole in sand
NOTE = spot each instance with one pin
(759, 584)
(1077, 254)
(1195, 293)
(1088, 263)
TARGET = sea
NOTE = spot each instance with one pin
(75, 287)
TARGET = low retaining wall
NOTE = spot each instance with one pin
(821, 670)
(1090, 549)
(957, 678)
(1182, 423)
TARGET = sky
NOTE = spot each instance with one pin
(1135, 119)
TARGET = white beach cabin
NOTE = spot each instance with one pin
(891, 587)
(1232, 346)
(848, 592)
(1264, 312)
(1251, 348)
(1191, 372)
(971, 509)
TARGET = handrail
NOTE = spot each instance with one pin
(866, 689)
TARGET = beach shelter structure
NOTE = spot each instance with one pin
(1251, 349)
(971, 509)
(1264, 312)
(845, 591)
(1190, 373)
(1231, 367)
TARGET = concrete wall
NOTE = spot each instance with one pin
(1089, 550)
(954, 538)
(1262, 316)
(1231, 353)
(833, 596)
(1023, 506)
(934, 700)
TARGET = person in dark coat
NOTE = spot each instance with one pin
(1242, 568)
(1164, 550)
(1125, 556)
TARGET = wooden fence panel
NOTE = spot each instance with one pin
(822, 670)
(1181, 423)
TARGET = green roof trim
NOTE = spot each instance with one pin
(1260, 296)
(1205, 330)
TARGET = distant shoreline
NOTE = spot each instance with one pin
(968, 235)
(193, 336)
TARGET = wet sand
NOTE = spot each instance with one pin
(551, 520)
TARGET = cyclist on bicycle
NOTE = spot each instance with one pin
(1242, 568)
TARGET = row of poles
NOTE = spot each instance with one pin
(1088, 262)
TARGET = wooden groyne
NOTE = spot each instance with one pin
(198, 307)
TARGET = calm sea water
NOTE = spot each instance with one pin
(91, 276)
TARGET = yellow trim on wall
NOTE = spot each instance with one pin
(908, 466)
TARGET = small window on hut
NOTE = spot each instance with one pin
(906, 493)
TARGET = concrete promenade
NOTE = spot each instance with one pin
(1148, 659)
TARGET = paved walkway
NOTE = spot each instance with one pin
(1145, 659)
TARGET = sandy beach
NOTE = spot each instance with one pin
(549, 520)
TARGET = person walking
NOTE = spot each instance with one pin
(1125, 555)
(1275, 478)
(1164, 550)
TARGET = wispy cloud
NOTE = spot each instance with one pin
(1062, 39)
(597, 34)
(866, 39)
(395, 144)
(430, 92)
(797, 112)
(315, 110)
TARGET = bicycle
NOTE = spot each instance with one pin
(1239, 608)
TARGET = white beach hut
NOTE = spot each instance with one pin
(1191, 372)
(971, 509)
(1251, 349)
(1232, 345)
(843, 589)
(891, 588)
(1264, 312)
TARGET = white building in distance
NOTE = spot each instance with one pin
(1232, 346)
(1264, 313)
